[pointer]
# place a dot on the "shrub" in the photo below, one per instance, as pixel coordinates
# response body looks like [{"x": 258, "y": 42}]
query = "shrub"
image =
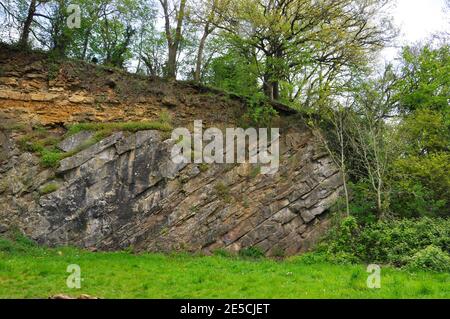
[
  {"x": 251, "y": 252},
  {"x": 430, "y": 258},
  {"x": 388, "y": 241},
  {"x": 259, "y": 113},
  {"x": 421, "y": 186},
  {"x": 15, "y": 241},
  {"x": 223, "y": 191},
  {"x": 50, "y": 159}
]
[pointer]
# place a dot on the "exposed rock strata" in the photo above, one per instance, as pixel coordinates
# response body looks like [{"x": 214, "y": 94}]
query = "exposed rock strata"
[{"x": 125, "y": 191}]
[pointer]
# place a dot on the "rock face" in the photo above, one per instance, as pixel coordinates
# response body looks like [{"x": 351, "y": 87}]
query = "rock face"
[
  {"x": 125, "y": 191},
  {"x": 38, "y": 91}
]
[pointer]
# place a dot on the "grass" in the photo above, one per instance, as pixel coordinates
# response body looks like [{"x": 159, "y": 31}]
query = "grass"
[
  {"x": 28, "y": 271},
  {"x": 125, "y": 126},
  {"x": 49, "y": 188}
]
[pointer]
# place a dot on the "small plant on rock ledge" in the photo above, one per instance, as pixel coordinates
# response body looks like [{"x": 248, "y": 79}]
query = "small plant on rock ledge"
[
  {"x": 223, "y": 191},
  {"x": 49, "y": 188}
]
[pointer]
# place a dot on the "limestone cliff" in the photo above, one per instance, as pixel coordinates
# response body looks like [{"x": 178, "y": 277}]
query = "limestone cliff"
[{"x": 125, "y": 191}]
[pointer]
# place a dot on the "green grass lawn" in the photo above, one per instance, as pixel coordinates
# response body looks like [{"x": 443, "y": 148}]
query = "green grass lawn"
[{"x": 27, "y": 271}]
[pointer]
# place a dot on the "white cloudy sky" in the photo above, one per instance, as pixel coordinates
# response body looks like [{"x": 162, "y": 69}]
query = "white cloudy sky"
[{"x": 418, "y": 20}]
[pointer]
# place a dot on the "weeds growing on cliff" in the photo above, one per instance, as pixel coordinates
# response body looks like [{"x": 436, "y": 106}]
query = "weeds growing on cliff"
[
  {"x": 223, "y": 191},
  {"x": 49, "y": 188},
  {"x": 40, "y": 142},
  {"x": 113, "y": 127}
]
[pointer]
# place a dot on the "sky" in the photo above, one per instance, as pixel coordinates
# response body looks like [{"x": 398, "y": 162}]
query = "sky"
[{"x": 417, "y": 20}]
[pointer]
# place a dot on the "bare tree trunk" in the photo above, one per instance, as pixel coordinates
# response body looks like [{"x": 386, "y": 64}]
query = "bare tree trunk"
[
  {"x": 380, "y": 201},
  {"x": 268, "y": 87},
  {"x": 172, "y": 62},
  {"x": 344, "y": 181},
  {"x": 85, "y": 44},
  {"x": 173, "y": 43},
  {"x": 275, "y": 90},
  {"x": 27, "y": 24},
  {"x": 201, "y": 47}
]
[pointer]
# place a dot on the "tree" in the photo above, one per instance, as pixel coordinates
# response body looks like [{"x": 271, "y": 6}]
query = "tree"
[
  {"x": 371, "y": 136},
  {"x": 23, "y": 14},
  {"x": 205, "y": 16},
  {"x": 307, "y": 43},
  {"x": 425, "y": 79},
  {"x": 232, "y": 71},
  {"x": 420, "y": 173},
  {"x": 335, "y": 132},
  {"x": 27, "y": 24},
  {"x": 173, "y": 37}
]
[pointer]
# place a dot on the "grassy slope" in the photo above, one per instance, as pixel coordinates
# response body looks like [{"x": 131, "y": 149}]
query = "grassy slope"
[{"x": 31, "y": 272}]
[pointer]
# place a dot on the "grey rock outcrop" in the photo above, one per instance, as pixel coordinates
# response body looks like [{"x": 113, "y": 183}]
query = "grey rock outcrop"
[
  {"x": 73, "y": 142},
  {"x": 125, "y": 191}
]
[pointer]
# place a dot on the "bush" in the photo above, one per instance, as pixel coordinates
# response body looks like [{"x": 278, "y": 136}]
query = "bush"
[
  {"x": 251, "y": 252},
  {"x": 421, "y": 186},
  {"x": 16, "y": 242},
  {"x": 51, "y": 158},
  {"x": 259, "y": 113},
  {"x": 430, "y": 258},
  {"x": 385, "y": 242}
]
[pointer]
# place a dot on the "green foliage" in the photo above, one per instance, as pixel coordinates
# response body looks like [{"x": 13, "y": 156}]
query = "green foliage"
[
  {"x": 259, "y": 112},
  {"x": 203, "y": 167},
  {"x": 232, "y": 72},
  {"x": 311, "y": 258},
  {"x": 17, "y": 243},
  {"x": 385, "y": 242},
  {"x": 411, "y": 159},
  {"x": 53, "y": 66},
  {"x": 40, "y": 143},
  {"x": 120, "y": 126},
  {"x": 49, "y": 188},
  {"x": 420, "y": 178},
  {"x": 165, "y": 117},
  {"x": 51, "y": 158},
  {"x": 363, "y": 204},
  {"x": 222, "y": 253},
  {"x": 223, "y": 191},
  {"x": 425, "y": 79},
  {"x": 430, "y": 258},
  {"x": 424, "y": 132},
  {"x": 251, "y": 252},
  {"x": 421, "y": 185},
  {"x": 255, "y": 171}
]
